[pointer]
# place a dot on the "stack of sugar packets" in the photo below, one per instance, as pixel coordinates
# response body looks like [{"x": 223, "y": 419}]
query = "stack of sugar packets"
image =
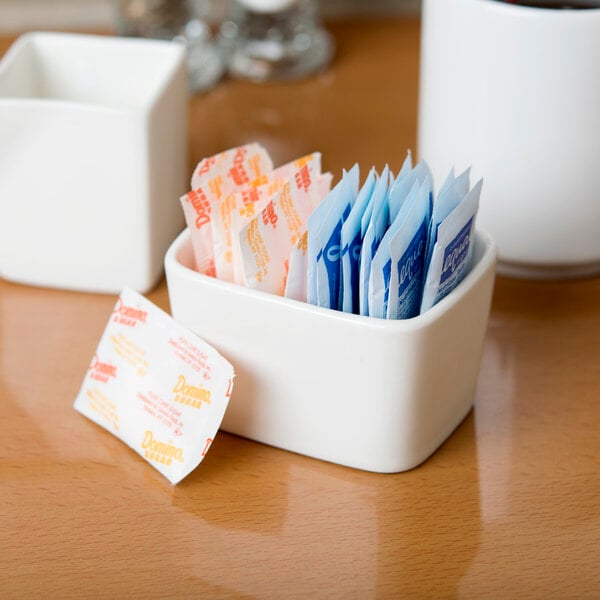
[
  {"x": 385, "y": 249},
  {"x": 245, "y": 217}
]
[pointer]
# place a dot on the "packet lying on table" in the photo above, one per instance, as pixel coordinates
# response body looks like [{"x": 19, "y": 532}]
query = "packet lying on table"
[{"x": 156, "y": 386}]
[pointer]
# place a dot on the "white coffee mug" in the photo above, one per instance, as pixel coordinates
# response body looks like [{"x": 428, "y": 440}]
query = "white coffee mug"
[{"x": 514, "y": 91}]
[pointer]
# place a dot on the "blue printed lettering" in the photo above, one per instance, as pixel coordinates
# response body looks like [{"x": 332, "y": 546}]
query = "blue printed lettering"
[
  {"x": 331, "y": 257},
  {"x": 455, "y": 254},
  {"x": 410, "y": 264}
]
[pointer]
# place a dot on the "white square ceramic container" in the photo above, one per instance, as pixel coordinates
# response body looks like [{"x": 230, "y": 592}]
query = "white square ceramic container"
[
  {"x": 92, "y": 159},
  {"x": 369, "y": 393}
]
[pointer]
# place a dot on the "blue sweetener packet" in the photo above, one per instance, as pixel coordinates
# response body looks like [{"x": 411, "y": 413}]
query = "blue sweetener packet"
[
  {"x": 453, "y": 190},
  {"x": 324, "y": 238},
  {"x": 403, "y": 195},
  {"x": 407, "y": 255},
  {"x": 451, "y": 251},
  {"x": 381, "y": 272},
  {"x": 402, "y": 249},
  {"x": 351, "y": 243},
  {"x": 379, "y": 277},
  {"x": 378, "y": 224}
]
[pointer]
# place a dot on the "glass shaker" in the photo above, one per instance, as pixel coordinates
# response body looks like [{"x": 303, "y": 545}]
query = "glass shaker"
[
  {"x": 266, "y": 40},
  {"x": 185, "y": 21}
]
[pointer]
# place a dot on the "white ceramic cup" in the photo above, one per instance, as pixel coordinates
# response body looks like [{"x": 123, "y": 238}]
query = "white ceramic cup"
[
  {"x": 93, "y": 148},
  {"x": 514, "y": 91}
]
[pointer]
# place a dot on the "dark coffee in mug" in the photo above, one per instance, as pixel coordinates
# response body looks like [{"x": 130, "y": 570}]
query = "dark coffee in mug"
[{"x": 556, "y": 4}]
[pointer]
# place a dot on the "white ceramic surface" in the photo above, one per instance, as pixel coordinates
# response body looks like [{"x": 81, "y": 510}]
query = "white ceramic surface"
[
  {"x": 364, "y": 392},
  {"x": 92, "y": 160},
  {"x": 515, "y": 92}
]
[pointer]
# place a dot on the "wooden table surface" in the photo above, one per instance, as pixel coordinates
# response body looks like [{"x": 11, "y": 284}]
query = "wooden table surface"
[{"x": 509, "y": 506}]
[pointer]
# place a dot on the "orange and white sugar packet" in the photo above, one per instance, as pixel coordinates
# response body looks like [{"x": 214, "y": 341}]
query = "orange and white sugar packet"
[
  {"x": 296, "y": 280},
  {"x": 267, "y": 240},
  {"x": 231, "y": 168},
  {"x": 156, "y": 386},
  {"x": 245, "y": 202},
  {"x": 213, "y": 179},
  {"x": 237, "y": 209}
]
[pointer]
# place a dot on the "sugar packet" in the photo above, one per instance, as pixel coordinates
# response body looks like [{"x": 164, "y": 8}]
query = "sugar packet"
[
  {"x": 376, "y": 229},
  {"x": 407, "y": 255},
  {"x": 272, "y": 184},
  {"x": 240, "y": 216},
  {"x": 324, "y": 241},
  {"x": 405, "y": 192},
  {"x": 228, "y": 218},
  {"x": 451, "y": 249},
  {"x": 156, "y": 386},
  {"x": 231, "y": 168},
  {"x": 267, "y": 240},
  {"x": 351, "y": 243},
  {"x": 297, "y": 277},
  {"x": 397, "y": 269},
  {"x": 213, "y": 179},
  {"x": 453, "y": 190}
]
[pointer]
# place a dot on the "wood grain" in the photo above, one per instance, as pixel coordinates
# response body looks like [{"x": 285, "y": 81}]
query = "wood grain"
[{"x": 508, "y": 507}]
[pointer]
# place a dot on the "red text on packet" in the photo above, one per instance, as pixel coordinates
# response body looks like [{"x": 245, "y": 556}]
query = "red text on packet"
[
  {"x": 237, "y": 171},
  {"x": 239, "y": 175},
  {"x": 102, "y": 371},
  {"x": 268, "y": 215},
  {"x": 201, "y": 205},
  {"x": 250, "y": 195},
  {"x": 205, "y": 166},
  {"x": 128, "y": 315},
  {"x": 302, "y": 178}
]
